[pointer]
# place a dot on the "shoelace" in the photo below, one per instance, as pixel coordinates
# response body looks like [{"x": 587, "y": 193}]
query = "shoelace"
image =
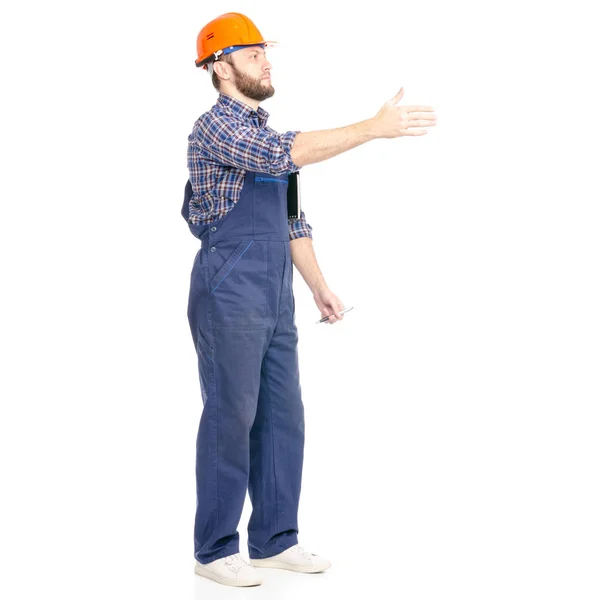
[
  {"x": 236, "y": 562},
  {"x": 302, "y": 551}
]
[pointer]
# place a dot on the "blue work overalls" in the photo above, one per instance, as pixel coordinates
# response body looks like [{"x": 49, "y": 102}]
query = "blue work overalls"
[{"x": 251, "y": 434}]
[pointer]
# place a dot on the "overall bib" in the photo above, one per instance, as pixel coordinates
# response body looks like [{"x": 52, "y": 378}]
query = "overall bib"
[{"x": 251, "y": 433}]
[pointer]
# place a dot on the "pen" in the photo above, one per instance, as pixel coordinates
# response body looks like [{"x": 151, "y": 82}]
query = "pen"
[{"x": 345, "y": 310}]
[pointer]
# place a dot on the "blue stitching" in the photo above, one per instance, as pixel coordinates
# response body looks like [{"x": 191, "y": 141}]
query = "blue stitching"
[
  {"x": 270, "y": 179},
  {"x": 233, "y": 265}
]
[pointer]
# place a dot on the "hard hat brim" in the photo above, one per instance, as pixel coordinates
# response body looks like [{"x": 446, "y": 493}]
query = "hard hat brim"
[{"x": 270, "y": 44}]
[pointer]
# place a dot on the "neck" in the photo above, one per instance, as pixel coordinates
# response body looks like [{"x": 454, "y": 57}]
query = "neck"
[{"x": 238, "y": 96}]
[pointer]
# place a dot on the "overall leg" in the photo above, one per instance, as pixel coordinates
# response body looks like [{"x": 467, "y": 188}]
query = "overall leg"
[
  {"x": 277, "y": 442},
  {"x": 223, "y": 448},
  {"x": 229, "y": 362}
]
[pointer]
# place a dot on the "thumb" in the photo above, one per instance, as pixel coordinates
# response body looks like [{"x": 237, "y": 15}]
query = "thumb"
[
  {"x": 398, "y": 96},
  {"x": 337, "y": 307}
]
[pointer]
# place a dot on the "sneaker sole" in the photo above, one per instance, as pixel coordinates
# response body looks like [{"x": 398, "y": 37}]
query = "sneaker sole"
[
  {"x": 266, "y": 563},
  {"x": 210, "y": 575}
]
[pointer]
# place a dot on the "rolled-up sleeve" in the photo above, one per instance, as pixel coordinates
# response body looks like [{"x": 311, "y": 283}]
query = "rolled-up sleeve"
[
  {"x": 299, "y": 227},
  {"x": 227, "y": 142}
]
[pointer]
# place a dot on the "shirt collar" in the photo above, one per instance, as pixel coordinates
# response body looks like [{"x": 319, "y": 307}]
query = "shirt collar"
[{"x": 242, "y": 110}]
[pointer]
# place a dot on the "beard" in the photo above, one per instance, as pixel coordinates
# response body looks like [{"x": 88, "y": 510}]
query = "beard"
[{"x": 252, "y": 88}]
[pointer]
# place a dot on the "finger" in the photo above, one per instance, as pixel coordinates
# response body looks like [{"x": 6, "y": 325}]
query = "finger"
[
  {"x": 421, "y": 123},
  {"x": 339, "y": 315},
  {"x": 415, "y": 132},
  {"x": 422, "y": 115},
  {"x": 334, "y": 315},
  {"x": 398, "y": 96},
  {"x": 419, "y": 108}
]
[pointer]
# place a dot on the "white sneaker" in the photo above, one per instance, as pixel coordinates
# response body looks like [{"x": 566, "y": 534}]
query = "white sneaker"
[
  {"x": 294, "y": 559},
  {"x": 230, "y": 570}
]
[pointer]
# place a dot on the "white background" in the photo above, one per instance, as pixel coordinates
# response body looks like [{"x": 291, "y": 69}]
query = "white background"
[{"x": 452, "y": 418}]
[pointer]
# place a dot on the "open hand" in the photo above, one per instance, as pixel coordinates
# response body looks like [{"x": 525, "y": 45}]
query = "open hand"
[{"x": 394, "y": 120}]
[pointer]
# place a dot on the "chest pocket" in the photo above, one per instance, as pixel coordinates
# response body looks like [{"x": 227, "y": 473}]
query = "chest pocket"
[{"x": 270, "y": 206}]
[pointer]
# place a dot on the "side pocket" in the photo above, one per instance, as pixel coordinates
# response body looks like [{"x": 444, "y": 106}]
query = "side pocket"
[
  {"x": 228, "y": 265},
  {"x": 206, "y": 367},
  {"x": 203, "y": 347},
  {"x": 198, "y": 257}
]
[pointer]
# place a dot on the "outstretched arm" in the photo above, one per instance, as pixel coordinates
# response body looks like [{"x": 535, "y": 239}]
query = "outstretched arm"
[{"x": 393, "y": 120}]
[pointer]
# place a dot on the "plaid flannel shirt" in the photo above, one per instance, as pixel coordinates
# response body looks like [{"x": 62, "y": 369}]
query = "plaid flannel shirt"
[{"x": 228, "y": 140}]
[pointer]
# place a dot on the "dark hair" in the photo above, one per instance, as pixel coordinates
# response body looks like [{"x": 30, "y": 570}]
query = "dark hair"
[{"x": 215, "y": 78}]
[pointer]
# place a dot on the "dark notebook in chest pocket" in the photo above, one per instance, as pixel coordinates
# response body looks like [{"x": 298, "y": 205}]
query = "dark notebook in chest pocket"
[{"x": 293, "y": 196}]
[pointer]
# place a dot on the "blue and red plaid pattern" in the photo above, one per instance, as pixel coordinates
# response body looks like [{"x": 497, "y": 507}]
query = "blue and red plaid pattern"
[{"x": 228, "y": 140}]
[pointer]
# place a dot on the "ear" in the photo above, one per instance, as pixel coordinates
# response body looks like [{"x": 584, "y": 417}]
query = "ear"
[{"x": 221, "y": 69}]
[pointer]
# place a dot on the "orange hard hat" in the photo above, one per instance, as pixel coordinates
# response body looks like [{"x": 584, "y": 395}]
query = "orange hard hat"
[{"x": 226, "y": 33}]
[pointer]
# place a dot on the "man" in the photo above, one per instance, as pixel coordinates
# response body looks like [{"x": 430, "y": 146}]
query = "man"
[{"x": 241, "y": 304}]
